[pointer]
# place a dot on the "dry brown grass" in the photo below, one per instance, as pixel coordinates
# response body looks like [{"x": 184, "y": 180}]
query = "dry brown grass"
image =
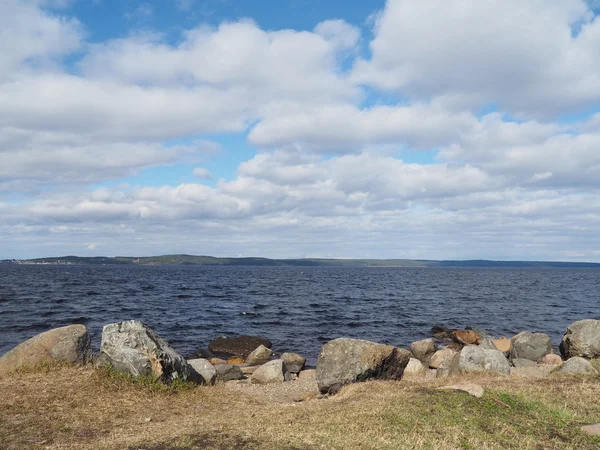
[{"x": 79, "y": 407}]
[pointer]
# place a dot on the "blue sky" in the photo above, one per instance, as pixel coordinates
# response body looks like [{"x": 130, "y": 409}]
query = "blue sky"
[{"x": 389, "y": 129}]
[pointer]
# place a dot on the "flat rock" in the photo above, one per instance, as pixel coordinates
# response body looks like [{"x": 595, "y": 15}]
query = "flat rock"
[
  {"x": 474, "y": 360},
  {"x": 551, "y": 359},
  {"x": 228, "y": 372},
  {"x": 237, "y": 346},
  {"x": 592, "y": 429},
  {"x": 343, "y": 361},
  {"x": 440, "y": 356},
  {"x": 204, "y": 369},
  {"x": 582, "y": 338},
  {"x": 70, "y": 344},
  {"x": 415, "y": 369},
  {"x": 307, "y": 374},
  {"x": 532, "y": 346},
  {"x": 294, "y": 362},
  {"x": 522, "y": 362},
  {"x": 577, "y": 366},
  {"x": 271, "y": 372},
  {"x": 259, "y": 355},
  {"x": 474, "y": 390},
  {"x": 423, "y": 350},
  {"x": 133, "y": 348}
]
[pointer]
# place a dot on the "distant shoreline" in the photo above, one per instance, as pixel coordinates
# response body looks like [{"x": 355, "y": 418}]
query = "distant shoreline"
[{"x": 192, "y": 260}]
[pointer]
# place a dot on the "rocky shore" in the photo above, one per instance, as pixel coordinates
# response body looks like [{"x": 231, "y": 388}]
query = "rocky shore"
[{"x": 133, "y": 348}]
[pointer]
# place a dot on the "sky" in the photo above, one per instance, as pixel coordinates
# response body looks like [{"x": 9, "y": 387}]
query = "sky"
[{"x": 466, "y": 129}]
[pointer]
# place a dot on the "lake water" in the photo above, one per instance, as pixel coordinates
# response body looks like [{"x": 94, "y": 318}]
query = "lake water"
[{"x": 298, "y": 308}]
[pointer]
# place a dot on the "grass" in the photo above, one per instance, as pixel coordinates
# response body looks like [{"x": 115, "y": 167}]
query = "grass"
[{"x": 61, "y": 407}]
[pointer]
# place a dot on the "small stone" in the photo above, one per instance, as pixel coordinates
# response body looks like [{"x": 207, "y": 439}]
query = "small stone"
[
  {"x": 148, "y": 419},
  {"x": 522, "y": 362},
  {"x": 294, "y": 362},
  {"x": 577, "y": 366},
  {"x": 502, "y": 344},
  {"x": 259, "y": 356},
  {"x": 466, "y": 337},
  {"x": 228, "y": 372},
  {"x": 472, "y": 389},
  {"x": 551, "y": 360},
  {"x": 414, "y": 369},
  {"x": 440, "y": 356},
  {"x": 307, "y": 374},
  {"x": 235, "y": 360},
  {"x": 592, "y": 429}
]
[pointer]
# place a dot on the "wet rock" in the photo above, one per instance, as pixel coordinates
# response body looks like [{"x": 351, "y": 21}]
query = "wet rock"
[
  {"x": 474, "y": 390},
  {"x": 237, "y": 346},
  {"x": 440, "y": 356},
  {"x": 132, "y": 347},
  {"x": 551, "y": 360},
  {"x": 294, "y": 362},
  {"x": 502, "y": 344},
  {"x": 532, "y": 346},
  {"x": 70, "y": 344},
  {"x": 440, "y": 332},
  {"x": 577, "y": 366},
  {"x": 259, "y": 356},
  {"x": 423, "y": 350},
  {"x": 474, "y": 359},
  {"x": 271, "y": 372},
  {"x": 466, "y": 337},
  {"x": 415, "y": 369},
  {"x": 582, "y": 338},
  {"x": 307, "y": 374},
  {"x": 343, "y": 361},
  {"x": 204, "y": 369},
  {"x": 522, "y": 362},
  {"x": 228, "y": 372}
]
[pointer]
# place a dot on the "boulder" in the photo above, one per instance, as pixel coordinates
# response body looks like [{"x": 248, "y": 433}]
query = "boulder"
[
  {"x": 204, "y": 369},
  {"x": 237, "y": 346},
  {"x": 423, "y": 350},
  {"x": 522, "y": 362},
  {"x": 228, "y": 372},
  {"x": 307, "y": 374},
  {"x": 474, "y": 390},
  {"x": 344, "y": 361},
  {"x": 271, "y": 372},
  {"x": 487, "y": 344},
  {"x": 444, "y": 368},
  {"x": 294, "y": 362},
  {"x": 532, "y": 346},
  {"x": 70, "y": 344},
  {"x": 466, "y": 337},
  {"x": 551, "y": 359},
  {"x": 415, "y": 369},
  {"x": 440, "y": 356},
  {"x": 259, "y": 356},
  {"x": 131, "y": 347},
  {"x": 582, "y": 338},
  {"x": 474, "y": 359},
  {"x": 502, "y": 344},
  {"x": 577, "y": 366}
]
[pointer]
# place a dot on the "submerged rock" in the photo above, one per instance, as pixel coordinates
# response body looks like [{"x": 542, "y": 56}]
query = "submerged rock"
[
  {"x": 343, "y": 361},
  {"x": 132, "y": 347},
  {"x": 582, "y": 338},
  {"x": 70, "y": 344},
  {"x": 237, "y": 346}
]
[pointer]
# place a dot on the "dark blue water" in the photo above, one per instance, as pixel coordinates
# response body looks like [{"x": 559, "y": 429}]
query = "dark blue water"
[{"x": 297, "y": 308}]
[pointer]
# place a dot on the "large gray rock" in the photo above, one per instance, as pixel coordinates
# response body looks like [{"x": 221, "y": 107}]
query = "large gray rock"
[
  {"x": 294, "y": 362},
  {"x": 343, "y": 361},
  {"x": 272, "y": 372},
  {"x": 260, "y": 355},
  {"x": 423, "y": 350},
  {"x": 69, "y": 344},
  {"x": 532, "y": 346},
  {"x": 582, "y": 338},
  {"x": 577, "y": 366},
  {"x": 131, "y": 347},
  {"x": 204, "y": 369},
  {"x": 475, "y": 359},
  {"x": 228, "y": 372}
]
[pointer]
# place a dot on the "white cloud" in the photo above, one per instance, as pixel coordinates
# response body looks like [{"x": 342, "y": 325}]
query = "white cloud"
[{"x": 203, "y": 173}]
